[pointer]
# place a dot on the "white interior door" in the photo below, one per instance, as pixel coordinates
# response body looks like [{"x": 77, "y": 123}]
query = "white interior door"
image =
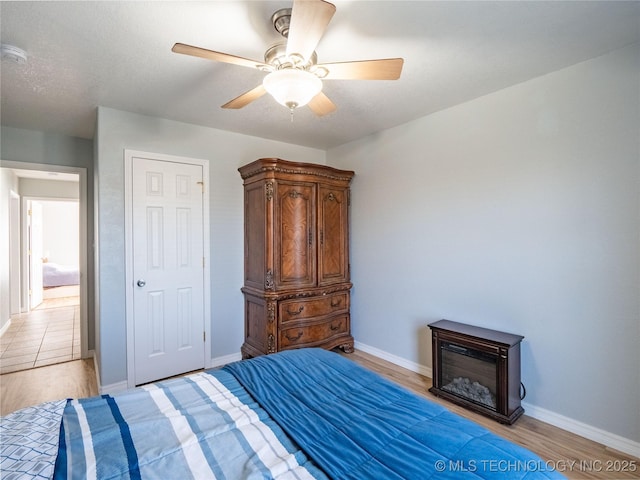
[
  {"x": 168, "y": 268},
  {"x": 14, "y": 253},
  {"x": 35, "y": 254}
]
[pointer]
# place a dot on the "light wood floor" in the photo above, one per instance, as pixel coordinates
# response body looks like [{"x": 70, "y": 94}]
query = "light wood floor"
[
  {"x": 578, "y": 457},
  {"x": 75, "y": 379}
]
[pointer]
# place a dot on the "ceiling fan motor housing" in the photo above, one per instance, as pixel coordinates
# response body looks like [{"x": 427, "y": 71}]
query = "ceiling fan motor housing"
[
  {"x": 278, "y": 58},
  {"x": 281, "y": 21}
]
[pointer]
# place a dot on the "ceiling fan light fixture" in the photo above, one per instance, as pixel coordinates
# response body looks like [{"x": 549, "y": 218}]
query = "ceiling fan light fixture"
[
  {"x": 292, "y": 87},
  {"x": 293, "y": 75}
]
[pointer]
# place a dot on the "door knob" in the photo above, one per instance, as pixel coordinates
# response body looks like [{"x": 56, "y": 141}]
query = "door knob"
[{"x": 141, "y": 283}]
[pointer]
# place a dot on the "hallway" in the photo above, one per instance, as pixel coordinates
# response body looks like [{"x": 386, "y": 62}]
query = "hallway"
[{"x": 41, "y": 337}]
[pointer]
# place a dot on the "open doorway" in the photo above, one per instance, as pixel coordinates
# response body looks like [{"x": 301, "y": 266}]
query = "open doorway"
[
  {"x": 48, "y": 315},
  {"x": 53, "y": 253}
]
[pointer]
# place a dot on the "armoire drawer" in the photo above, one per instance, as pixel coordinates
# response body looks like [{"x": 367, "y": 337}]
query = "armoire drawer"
[
  {"x": 309, "y": 334},
  {"x": 306, "y": 308}
]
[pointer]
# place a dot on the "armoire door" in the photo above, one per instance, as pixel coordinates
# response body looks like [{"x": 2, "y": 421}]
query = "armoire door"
[
  {"x": 333, "y": 242},
  {"x": 168, "y": 269},
  {"x": 256, "y": 226},
  {"x": 295, "y": 234}
]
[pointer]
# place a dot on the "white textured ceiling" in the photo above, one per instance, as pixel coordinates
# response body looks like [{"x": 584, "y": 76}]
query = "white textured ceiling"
[{"x": 118, "y": 55}]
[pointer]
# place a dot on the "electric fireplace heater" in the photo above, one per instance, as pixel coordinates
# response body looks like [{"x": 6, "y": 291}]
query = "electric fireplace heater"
[{"x": 477, "y": 368}]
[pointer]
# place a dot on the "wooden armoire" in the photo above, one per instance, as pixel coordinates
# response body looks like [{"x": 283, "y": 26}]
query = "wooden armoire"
[{"x": 296, "y": 257}]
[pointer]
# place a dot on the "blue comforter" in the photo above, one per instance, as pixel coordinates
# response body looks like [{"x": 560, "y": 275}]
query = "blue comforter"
[
  {"x": 356, "y": 425},
  {"x": 293, "y": 415}
]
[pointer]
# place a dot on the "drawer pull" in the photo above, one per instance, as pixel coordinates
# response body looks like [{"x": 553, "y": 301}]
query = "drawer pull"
[
  {"x": 336, "y": 302},
  {"x": 293, "y": 313},
  {"x": 293, "y": 339},
  {"x": 334, "y": 327}
]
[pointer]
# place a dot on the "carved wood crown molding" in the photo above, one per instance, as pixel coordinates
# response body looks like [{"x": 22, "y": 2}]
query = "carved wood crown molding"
[
  {"x": 323, "y": 292},
  {"x": 297, "y": 171}
]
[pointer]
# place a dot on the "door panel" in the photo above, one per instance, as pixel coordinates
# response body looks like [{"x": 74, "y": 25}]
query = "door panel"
[
  {"x": 183, "y": 317},
  {"x": 333, "y": 263},
  {"x": 168, "y": 252},
  {"x": 295, "y": 231},
  {"x": 155, "y": 315},
  {"x": 255, "y": 233}
]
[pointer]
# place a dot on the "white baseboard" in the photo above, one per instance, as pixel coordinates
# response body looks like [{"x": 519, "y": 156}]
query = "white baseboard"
[
  {"x": 96, "y": 369},
  {"x": 107, "y": 389},
  {"x": 220, "y": 361},
  {"x": 5, "y": 328},
  {"x": 113, "y": 388},
  {"x": 402, "y": 362},
  {"x": 608, "y": 439},
  {"x": 120, "y": 386}
]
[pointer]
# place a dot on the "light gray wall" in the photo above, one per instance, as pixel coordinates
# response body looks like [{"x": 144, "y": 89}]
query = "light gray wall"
[
  {"x": 31, "y": 146},
  {"x": 20, "y": 146},
  {"x": 518, "y": 211},
  {"x": 35, "y": 187},
  {"x": 226, "y": 152},
  {"x": 60, "y": 243},
  {"x": 61, "y": 232}
]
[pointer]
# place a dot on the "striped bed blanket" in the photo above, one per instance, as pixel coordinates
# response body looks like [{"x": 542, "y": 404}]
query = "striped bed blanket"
[
  {"x": 202, "y": 426},
  {"x": 298, "y": 414}
]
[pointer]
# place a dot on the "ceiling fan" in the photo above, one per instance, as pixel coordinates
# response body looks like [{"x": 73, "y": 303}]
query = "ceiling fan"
[{"x": 294, "y": 76}]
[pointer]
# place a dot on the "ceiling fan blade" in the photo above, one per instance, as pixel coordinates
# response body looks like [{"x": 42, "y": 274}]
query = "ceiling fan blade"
[
  {"x": 217, "y": 56},
  {"x": 382, "y": 69},
  {"x": 321, "y": 105},
  {"x": 246, "y": 98},
  {"x": 309, "y": 19}
]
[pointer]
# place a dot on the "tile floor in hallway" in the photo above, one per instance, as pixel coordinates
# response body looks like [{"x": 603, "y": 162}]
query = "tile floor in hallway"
[{"x": 41, "y": 337}]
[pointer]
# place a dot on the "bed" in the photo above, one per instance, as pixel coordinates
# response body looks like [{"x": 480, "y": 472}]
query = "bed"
[
  {"x": 299, "y": 414},
  {"x": 56, "y": 275}
]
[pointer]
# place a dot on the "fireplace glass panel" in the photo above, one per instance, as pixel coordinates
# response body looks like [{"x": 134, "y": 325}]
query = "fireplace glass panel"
[{"x": 469, "y": 373}]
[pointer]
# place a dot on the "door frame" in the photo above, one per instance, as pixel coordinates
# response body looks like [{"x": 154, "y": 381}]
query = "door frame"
[
  {"x": 15, "y": 253},
  {"x": 129, "y": 156},
  {"x": 84, "y": 246}
]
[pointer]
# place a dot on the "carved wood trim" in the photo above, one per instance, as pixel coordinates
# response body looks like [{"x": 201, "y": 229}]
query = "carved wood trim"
[
  {"x": 293, "y": 313},
  {"x": 329, "y": 291},
  {"x": 347, "y": 347},
  {"x": 271, "y": 312},
  {"x": 275, "y": 296},
  {"x": 294, "y": 339},
  {"x": 297, "y": 171},
  {"x": 268, "y": 280}
]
